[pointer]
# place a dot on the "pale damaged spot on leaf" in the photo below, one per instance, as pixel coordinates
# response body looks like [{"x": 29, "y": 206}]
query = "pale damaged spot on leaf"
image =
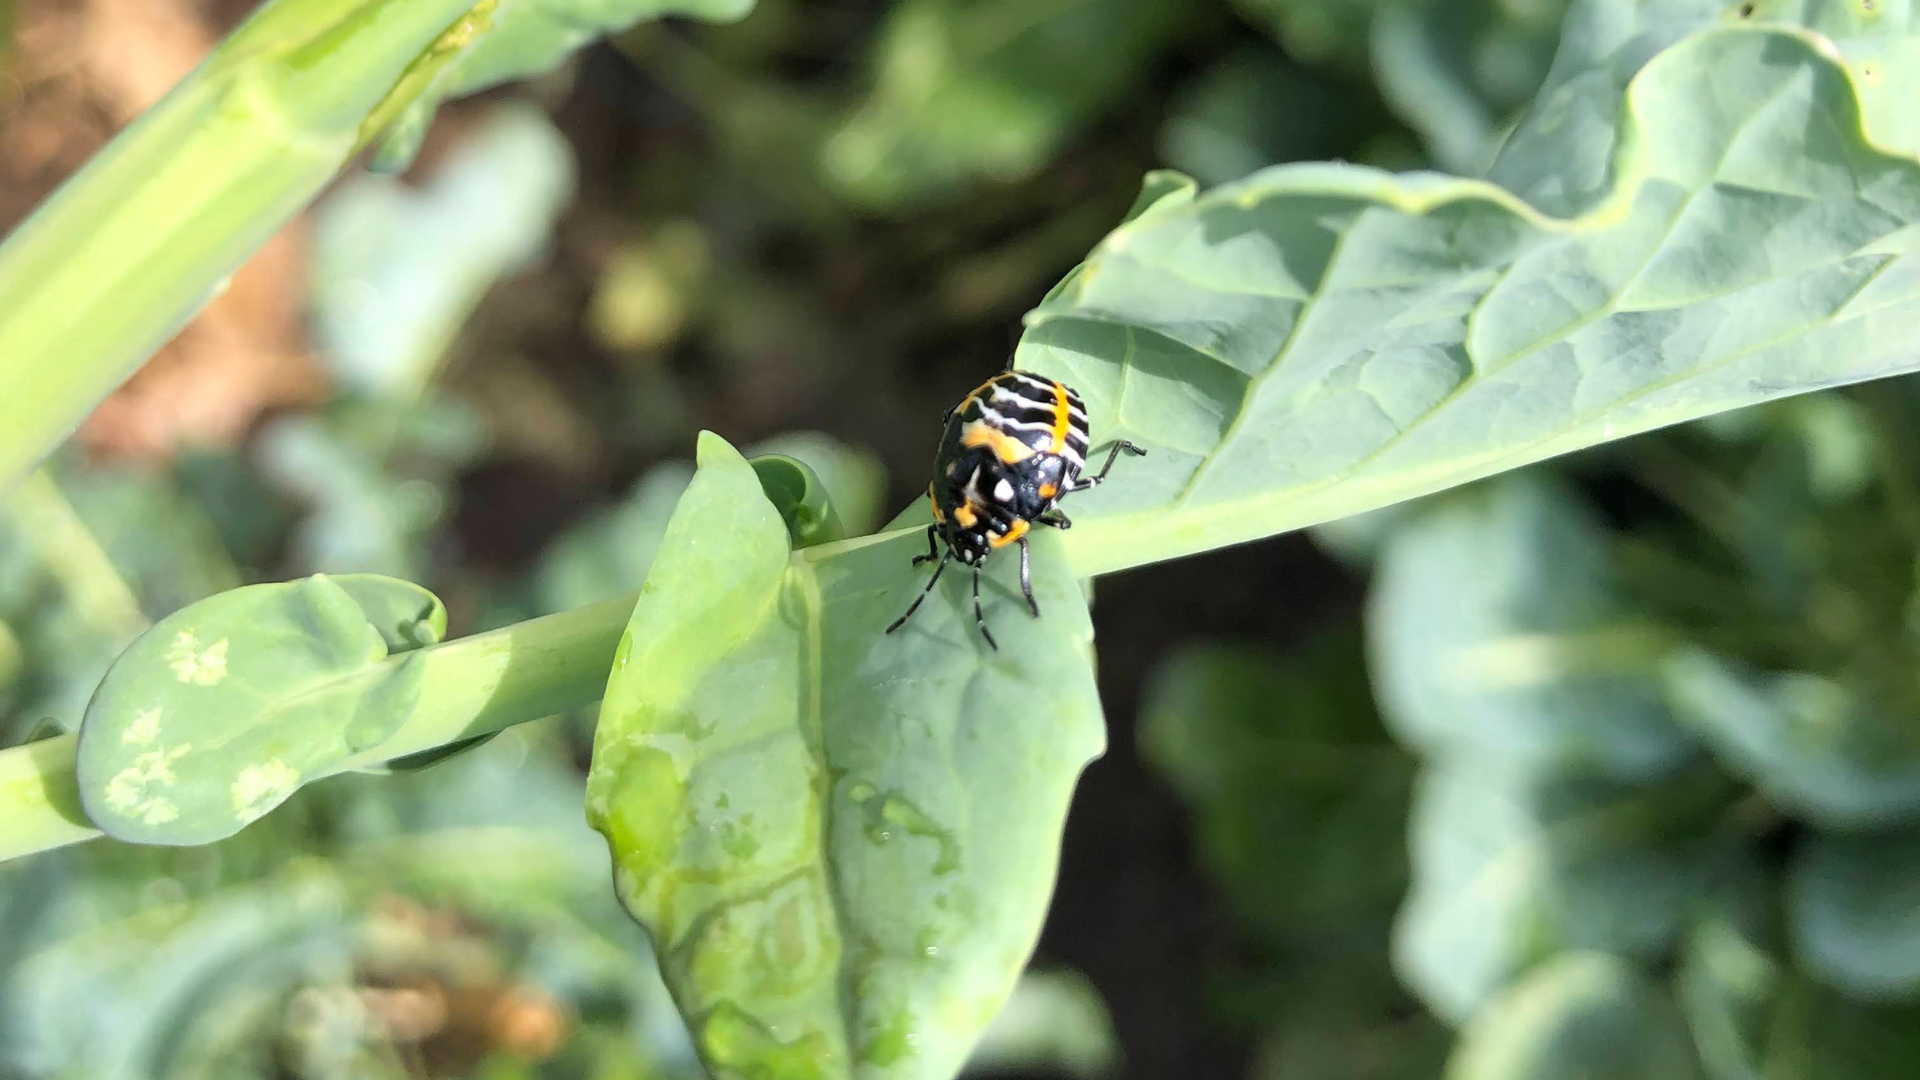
[
  {"x": 318, "y": 685},
  {"x": 144, "y": 729},
  {"x": 131, "y": 789},
  {"x": 193, "y": 664},
  {"x": 260, "y": 788}
]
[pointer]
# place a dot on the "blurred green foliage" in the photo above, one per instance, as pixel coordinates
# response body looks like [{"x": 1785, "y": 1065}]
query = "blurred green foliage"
[{"x": 1661, "y": 825}]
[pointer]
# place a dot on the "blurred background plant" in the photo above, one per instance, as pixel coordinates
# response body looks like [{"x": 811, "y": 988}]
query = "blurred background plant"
[{"x": 1609, "y": 768}]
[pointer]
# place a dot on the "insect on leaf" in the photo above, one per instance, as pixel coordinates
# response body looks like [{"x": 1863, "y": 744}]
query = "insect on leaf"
[{"x": 842, "y": 842}]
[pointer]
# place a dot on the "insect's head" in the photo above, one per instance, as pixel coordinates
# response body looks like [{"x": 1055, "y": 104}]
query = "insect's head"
[{"x": 970, "y": 546}]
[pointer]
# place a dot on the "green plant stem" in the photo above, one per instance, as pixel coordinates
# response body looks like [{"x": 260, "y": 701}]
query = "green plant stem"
[
  {"x": 140, "y": 239},
  {"x": 73, "y": 555},
  {"x": 474, "y": 685}
]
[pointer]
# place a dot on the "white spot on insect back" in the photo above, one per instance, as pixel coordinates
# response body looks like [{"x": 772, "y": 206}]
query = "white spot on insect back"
[
  {"x": 193, "y": 664},
  {"x": 1003, "y": 491},
  {"x": 131, "y": 791},
  {"x": 144, "y": 729},
  {"x": 260, "y": 788}
]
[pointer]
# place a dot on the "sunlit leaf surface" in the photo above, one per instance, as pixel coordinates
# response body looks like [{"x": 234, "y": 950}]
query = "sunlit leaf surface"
[
  {"x": 224, "y": 708},
  {"x": 842, "y": 842},
  {"x": 1319, "y": 340}
]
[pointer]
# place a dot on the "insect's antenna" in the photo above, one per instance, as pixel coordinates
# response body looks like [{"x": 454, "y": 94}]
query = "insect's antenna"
[
  {"x": 1013, "y": 345},
  {"x": 915, "y": 606}
]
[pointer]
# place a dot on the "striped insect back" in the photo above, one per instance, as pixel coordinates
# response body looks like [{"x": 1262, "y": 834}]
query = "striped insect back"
[
  {"x": 1020, "y": 415},
  {"x": 1012, "y": 449}
]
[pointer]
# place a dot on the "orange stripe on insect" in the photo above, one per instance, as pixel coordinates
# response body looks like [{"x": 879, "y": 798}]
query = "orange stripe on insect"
[
  {"x": 1014, "y": 532},
  {"x": 965, "y": 516},
  {"x": 1060, "y": 417},
  {"x": 1004, "y": 446}
]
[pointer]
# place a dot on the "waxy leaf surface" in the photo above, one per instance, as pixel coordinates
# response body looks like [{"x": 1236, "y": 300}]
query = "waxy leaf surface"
[{"x": 842, "y": 841}]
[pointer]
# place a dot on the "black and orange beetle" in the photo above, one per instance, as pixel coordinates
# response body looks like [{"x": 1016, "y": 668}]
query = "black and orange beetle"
[{"x": 1013, "y": 448}]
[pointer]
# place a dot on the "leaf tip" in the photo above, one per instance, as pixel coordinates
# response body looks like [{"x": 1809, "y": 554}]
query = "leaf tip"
[{"x": 712, "y": 450}]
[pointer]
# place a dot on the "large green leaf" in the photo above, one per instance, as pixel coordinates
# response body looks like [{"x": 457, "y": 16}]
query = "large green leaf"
[
  {"x": 1584, "y": 1016},
  {"x": 1854, "y": 909},
  {"x": 1508, "y": 870},
  {"x": 841, "y": 841},
  {"x": 1497, "y": 631},
  {"x": 1319, "y": 340}
]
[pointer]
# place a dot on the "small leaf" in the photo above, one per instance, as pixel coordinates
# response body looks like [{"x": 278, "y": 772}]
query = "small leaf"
[
  {"x": 1510, "y": 869},
  {"x": 1497, "y": 631},
  {"x": 1583, "y": 1016},
  {"x": 224, "y": 708},
  {"x": 842, "y": 841},
  {"x": 802, "y": 500},
  {"x": 1813, "y": 745},
  {"x": 1854, "y": 907},
  {"x": 853, "y": 478},
  {"x": 405, "y": 615}
]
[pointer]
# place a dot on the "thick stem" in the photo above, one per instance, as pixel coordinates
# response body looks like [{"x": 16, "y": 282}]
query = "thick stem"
[
  {"x": 137, "y": 242},
  {"x": 474, "y": 685}
]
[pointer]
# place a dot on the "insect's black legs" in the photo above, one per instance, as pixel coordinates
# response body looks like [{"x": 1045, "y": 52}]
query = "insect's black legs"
[
  {"x": 915, "y": 606},
  {"x": 933, "y": 552},
  {"x": 1095, "y": 481},
  {"x": 1054, "y": 518},
  {"x": 1026, "y": 580},
  {"x": 979, "y": 618}
]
